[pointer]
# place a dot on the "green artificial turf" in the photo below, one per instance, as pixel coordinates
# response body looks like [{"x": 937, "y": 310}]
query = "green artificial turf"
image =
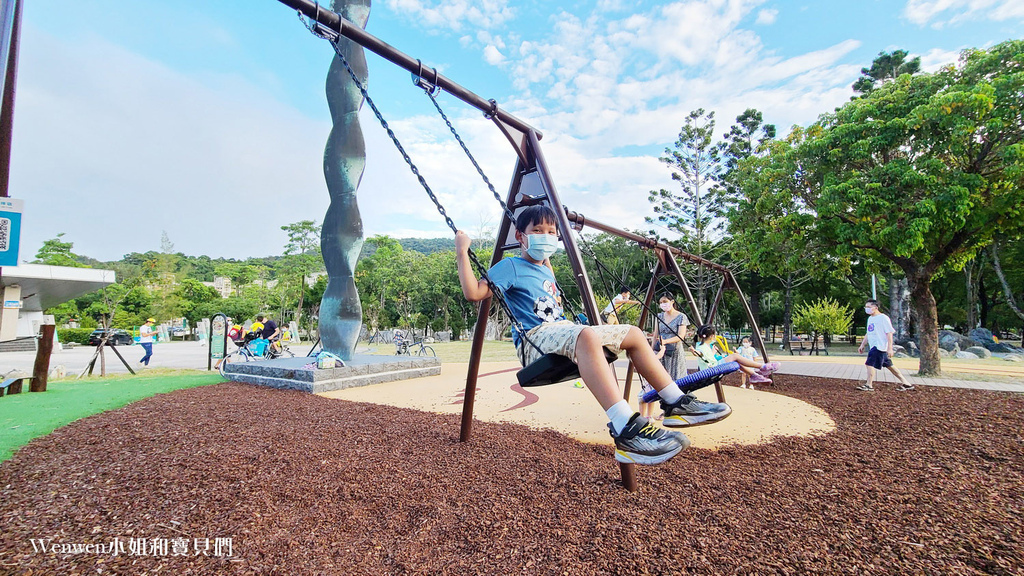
[{"x": 33, "y": 414}]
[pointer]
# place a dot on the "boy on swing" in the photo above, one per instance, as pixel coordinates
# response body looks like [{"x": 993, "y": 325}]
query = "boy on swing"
[{"x": 528, "y": 284}]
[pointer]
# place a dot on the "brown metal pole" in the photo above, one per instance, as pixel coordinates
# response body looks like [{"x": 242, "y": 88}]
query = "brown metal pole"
[
  {"x": 628, "y": 472},
  {"x": 41, "y": 369},
  {"x": 718, "y": 300},
  {"x": 474, "y": 369},
  {"x": 750, "y": 318},
  {"x": 571, "y": 250},
  {"x": 12, "y": 40},
  {"x": 644, "y": 312},
  {"x": 698, "y": 319}
]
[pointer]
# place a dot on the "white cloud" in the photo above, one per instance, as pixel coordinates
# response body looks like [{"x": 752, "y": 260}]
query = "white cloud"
[
  {"x": 453, "y": 14},
  {"x": 767, "y": 16},
  {"x": 942, "y": 13},
  {"x": 936, "y": 58},
  {"x": 113, "y": 148},
  {"x": 492, "y": 55}
]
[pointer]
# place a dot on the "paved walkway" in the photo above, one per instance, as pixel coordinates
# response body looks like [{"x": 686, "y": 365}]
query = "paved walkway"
[
  {"x": 193, "y": 355},
  {"x": 852, "y": 368}
]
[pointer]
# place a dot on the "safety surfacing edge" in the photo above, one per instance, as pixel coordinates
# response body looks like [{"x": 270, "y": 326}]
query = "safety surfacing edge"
[{"x": 758, "y": 416}]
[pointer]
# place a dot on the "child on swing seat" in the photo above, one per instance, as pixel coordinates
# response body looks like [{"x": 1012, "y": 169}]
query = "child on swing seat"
[
  {"x": 529, "y": 288},
  {"x": 707, "y": 357},
  {"x": 747, "y": 351}
]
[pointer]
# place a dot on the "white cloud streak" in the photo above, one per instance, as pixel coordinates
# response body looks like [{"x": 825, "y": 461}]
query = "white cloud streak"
[{"x": 942, "y": 13}]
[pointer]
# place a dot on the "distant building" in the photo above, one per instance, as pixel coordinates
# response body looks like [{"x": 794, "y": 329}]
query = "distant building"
[{"x": 221, "y": 284}]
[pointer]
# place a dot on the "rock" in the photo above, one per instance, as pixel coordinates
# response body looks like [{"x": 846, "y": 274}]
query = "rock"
[
  {"x": 981, "y": 335},
  {"x": 948, "y": 338},
  {"x": 943, "y": 353},
  {"x": 900, "y": 355},
  {"x": 1000, "y": 347},
  {"x": 979, "y": 351},
  {"x": 897, "y": 349},
  {"x": 965, "y": 356},
  {"x": 1014, "y": 357}
]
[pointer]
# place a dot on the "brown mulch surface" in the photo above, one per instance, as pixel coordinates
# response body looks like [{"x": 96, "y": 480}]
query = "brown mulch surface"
[{"x": 929, "y": 482}]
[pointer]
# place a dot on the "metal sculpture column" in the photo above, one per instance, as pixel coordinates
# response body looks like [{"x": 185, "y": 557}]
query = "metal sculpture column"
[{"x": 344, "y": 160}]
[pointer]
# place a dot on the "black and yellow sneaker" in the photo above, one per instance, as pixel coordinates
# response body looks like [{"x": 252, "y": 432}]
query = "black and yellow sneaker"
[{"x": 641, "y": 442}]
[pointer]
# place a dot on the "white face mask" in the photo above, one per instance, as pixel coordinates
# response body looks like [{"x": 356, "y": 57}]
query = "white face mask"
[
  {"x": 868, "y": 311},
  {"x": 666, "y": 306},
  {"x": 541, "y": 246}
]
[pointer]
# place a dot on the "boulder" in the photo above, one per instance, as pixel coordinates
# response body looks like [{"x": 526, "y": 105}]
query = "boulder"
[
  {"x": 979, "y": 351},
  {"x": 981, "y": 335},
  {"x": 965, "y": 356},
  {"x": 897, "y": 349},
  {"x": 1001, "y": 347},
  {"x": 943, "y": 353},
  {"x": 1014, "y": 357},
  {"x": 948, "y": 339}
]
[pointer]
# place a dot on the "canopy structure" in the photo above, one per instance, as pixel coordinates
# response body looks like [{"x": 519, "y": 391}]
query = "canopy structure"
[{"x": 29, "y": 289}]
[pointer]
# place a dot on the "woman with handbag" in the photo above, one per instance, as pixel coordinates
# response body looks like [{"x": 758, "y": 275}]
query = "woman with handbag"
[{"x": 672, "y": 325}]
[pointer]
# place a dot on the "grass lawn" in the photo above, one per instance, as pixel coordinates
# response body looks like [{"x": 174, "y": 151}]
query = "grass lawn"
[{"x": 29, "y": 415}]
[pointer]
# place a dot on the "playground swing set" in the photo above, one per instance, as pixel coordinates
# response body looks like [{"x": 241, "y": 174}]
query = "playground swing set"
[{"x": 531, "y": 185}]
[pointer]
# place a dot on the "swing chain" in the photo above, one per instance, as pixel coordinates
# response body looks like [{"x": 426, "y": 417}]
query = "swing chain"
[
  {"x": 316, "y": 28},
  {"x": 458, "y": 138},
  {"x": 335, "y": 42}
]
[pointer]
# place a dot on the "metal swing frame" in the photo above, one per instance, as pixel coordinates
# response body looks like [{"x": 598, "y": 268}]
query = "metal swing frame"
[{"x": 531, "y": 184}]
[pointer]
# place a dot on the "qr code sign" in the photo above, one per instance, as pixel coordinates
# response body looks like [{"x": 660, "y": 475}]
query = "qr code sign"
[{"x": 5, "y": 234}]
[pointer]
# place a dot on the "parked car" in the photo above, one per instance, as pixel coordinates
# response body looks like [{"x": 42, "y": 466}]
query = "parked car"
[{"x": 117, "y": 337}]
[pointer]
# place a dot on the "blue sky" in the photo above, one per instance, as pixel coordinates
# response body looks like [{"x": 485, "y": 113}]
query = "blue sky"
[{"x": 208, "y": 119}]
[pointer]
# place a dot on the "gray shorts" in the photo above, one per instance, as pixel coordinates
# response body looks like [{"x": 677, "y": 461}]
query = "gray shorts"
[{"x": 560, "y": 338}]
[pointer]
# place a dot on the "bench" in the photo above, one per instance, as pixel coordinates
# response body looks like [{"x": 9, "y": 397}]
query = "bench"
[
  {"x": 805, "y": 345},
  {"x": 13, "y": 385}
]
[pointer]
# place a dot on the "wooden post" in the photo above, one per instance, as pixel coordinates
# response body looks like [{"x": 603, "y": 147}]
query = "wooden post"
[{"x": 41, "y": 369}]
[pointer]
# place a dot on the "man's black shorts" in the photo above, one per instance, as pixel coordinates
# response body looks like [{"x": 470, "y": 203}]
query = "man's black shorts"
[{"x": 878, "y": 359}]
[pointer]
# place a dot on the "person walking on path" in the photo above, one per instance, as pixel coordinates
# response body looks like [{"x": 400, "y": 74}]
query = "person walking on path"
[
  {"x": 146, "y": 333},
  {"x": 878, "y": 339}
]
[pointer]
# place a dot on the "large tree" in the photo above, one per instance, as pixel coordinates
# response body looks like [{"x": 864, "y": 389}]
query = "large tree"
[
  {"x": 301, "y": 255},
  {"x": 745, "y": 138},
  {"x": 695, "y": 211},
  {"x": 924, "y": 171},
  {"x": 886, "y": 67}
]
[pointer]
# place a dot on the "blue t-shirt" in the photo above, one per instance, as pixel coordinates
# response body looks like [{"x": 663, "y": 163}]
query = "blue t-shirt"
[{"x": 530, "y": 290}]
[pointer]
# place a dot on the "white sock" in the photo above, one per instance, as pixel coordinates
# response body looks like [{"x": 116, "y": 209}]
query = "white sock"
[
  {"x": 671, "y": 393},
  {"x": 619, "y": 415}
]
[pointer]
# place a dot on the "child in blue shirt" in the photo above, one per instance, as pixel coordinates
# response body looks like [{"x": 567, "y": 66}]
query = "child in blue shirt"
[{"x": 528, "y": 285}]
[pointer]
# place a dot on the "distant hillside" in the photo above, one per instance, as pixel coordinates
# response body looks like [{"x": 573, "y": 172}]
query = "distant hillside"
[{"x": 427, "y": 245}]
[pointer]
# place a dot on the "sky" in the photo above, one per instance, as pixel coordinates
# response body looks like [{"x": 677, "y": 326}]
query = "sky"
[{"x": 206, "y": 120}]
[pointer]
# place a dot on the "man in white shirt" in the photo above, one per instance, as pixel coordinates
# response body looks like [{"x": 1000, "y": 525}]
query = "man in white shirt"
[
  {"x": 146, "y": 333},
  {"x": 879, "y": 341}
]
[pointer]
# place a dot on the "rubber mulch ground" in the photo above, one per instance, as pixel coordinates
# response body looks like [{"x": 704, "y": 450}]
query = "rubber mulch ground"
[{"x": 929, "y": 482}]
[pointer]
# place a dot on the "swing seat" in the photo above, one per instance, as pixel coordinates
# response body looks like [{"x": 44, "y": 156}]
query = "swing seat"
[
  {"x": 553, "y": 368},
  {"x": 698, "y": 380}
]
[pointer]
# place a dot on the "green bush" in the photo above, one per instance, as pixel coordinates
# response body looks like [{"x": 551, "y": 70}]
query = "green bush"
[{"x": 78, "y": 335}]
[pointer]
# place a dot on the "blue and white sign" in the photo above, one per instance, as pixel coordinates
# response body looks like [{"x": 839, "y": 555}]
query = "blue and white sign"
[{"x": 10, "y": 230}]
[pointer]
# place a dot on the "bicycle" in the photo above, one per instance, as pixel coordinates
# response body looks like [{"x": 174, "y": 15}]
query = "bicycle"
[
  {"x": 404, "y": 346},
  {"x": 252, "y": 349}
]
